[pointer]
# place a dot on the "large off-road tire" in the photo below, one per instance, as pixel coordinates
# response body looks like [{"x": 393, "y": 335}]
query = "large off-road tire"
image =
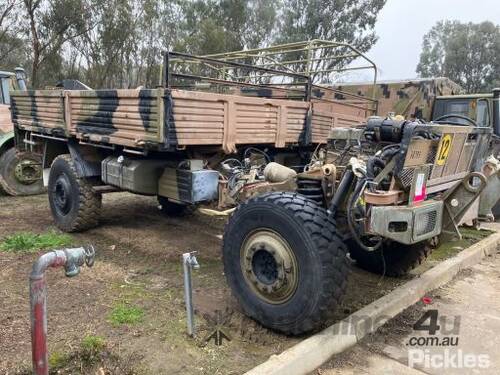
[
  {"x": 20, "y": 173},
  {"x": 74, "y": 205},
  {"x": 170, "y": 208},
  {"x": 392, "y": 258},
  {"x": 284, "y": 262}
]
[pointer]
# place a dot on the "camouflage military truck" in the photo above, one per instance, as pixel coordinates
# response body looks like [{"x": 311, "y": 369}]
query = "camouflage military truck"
[
  {"x": 168, "y": 141},
  {"x": 306, "y": 190},
  {"x": 477, "y": 110},
  {"x": 412, "y": 99},
  {"x": 20, "y": 172}
]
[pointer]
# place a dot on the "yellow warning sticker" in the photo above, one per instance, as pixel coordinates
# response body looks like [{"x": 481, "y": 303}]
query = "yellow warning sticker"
[{"x": 444, "y": 149}]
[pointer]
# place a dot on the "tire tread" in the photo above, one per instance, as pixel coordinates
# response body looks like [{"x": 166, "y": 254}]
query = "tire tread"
[
  {"x": 330, "y": 248},
  {"x": 89, "y": 210}
]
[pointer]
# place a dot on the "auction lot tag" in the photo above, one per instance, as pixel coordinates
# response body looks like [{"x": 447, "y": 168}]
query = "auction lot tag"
[{"x": 444, "y": 149}]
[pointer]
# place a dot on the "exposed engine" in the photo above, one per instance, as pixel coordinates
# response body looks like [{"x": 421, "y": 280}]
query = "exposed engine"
[{"x": 384, "y": 180}]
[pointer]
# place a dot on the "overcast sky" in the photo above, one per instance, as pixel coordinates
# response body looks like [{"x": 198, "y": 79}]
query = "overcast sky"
[{"x": 402, "y": 24}]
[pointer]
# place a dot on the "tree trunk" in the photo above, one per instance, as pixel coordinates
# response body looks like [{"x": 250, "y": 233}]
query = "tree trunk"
[{"x": 35, "y": 42}]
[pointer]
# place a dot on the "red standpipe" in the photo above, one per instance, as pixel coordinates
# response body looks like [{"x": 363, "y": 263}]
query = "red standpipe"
[{"x": 71, "y": 260}]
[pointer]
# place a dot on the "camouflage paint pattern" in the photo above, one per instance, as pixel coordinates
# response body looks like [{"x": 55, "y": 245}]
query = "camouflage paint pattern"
[
  {"x": 40, "y": 111},
  {"x": 162, "y": 119},
  {"x": 411, "y": 98}
]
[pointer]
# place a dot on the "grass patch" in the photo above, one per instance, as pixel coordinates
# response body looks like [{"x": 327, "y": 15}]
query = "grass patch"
[
  {"x": 58, "y": 360},
  {"x": 124, "y": 314},
  {"x": 449, "y": 249},
  {"x": 26, "y": 242},
  {"x": 91, "y": 346}
]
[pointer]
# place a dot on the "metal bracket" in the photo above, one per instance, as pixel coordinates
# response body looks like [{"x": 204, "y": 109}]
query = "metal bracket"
[{"x": 458, "y": 199}]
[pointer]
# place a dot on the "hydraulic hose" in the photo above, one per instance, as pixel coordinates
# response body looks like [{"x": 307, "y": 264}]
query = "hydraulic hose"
[
  {"x": 350, "y": 203},
  {"x": 371, "y": 164},
  {"x": 342, "y": 190}
]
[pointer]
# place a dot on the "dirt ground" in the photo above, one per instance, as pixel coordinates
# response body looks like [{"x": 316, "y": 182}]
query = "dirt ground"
[{"x": 138, "y": 264}]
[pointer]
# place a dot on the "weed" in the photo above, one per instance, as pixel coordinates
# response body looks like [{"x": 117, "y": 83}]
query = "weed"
[
  {"x": 58, "y": 360},
  {"x": 25, "y": 242},
  {"x": 123, "y": 314},
  {"x": 449, "y": 249},
  {"x": 91, "y": 346}
]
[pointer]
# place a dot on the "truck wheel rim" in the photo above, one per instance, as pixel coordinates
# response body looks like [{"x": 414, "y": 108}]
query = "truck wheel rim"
[
  {"x": 27, "y": 171},
  {"x": 269, "y": 266},
  {"x": 61, "y": 193}
]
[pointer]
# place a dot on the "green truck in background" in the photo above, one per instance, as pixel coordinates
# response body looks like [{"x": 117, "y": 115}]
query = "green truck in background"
[{"x": 20, "y": 172}]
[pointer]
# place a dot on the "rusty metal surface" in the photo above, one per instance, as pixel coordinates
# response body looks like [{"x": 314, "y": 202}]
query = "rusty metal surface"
[
  {"x": 5, "y": 121},
  {"x": 71, "y": 260}
]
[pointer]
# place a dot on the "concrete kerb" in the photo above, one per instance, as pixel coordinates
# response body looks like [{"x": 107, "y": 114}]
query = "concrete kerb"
[{"x": 317, "y": 349}]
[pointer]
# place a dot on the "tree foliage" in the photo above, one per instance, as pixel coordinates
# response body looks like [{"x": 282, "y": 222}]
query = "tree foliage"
[
  {"x": 118, "y": 43},
  {"x": 467, "y": 53}
]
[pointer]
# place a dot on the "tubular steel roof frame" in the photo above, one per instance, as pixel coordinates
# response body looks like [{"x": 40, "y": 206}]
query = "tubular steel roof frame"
[
  {"x": 292, "y": 70},
  {"x": 224, "y": 77},
  {"x": 270, "y": 53}
]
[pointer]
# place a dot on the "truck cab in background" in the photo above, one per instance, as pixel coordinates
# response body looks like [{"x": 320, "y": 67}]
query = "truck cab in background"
[
  {"x": 6, "y": 84},
  {"x": 20, "y": 173},
  {"x": 482, "y": 110}
]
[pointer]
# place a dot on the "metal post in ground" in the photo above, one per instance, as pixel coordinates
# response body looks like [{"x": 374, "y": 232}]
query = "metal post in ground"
[
  {"x": 71, "y": 260},
  {"x": 189, "y": 262}
]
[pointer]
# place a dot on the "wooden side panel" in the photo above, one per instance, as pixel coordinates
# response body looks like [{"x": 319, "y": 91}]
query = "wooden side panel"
[
  {"x": 5, "y": 122},
  {"x": 140, "y": 118},
  {"x": 40, "y": 109},
  {"x": 256, "y": 123},
  {"x": 345, "y": 107},
  {"x": 321, "y": 124},
  {"x": 342, "y": 120},
  {"x": 124, "y": 117},
  {"x": 198, "y": 119},
  {"x": 325, "y": 116},
  {"x": 201, "y": 118},
  {"x": 296, "y": 121}
]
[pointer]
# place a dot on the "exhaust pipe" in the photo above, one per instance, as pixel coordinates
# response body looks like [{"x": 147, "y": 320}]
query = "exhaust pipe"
[
  {"x": 496, "y": 111},
  {"x": 21, "y": 78},
  {"x": 71, "y": 260}
]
